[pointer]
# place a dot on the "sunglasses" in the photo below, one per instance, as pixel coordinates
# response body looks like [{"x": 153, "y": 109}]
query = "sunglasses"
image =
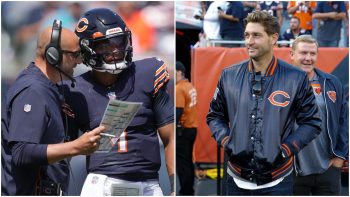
[
  {"x": 257, "y": 83},
  {"x": 74, "y": 54}
]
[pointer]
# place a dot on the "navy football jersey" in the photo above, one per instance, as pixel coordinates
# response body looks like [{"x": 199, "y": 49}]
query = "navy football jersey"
[{"x": 136, "y": 154}]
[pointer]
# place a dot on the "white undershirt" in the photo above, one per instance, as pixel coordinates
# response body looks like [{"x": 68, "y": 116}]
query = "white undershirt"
[{"x": 244, "y": 184}]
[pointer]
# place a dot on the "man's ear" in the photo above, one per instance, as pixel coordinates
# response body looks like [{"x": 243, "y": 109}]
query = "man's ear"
[
  {"x": 291, "y": 54},
  {"x": 274, "y": 38}
]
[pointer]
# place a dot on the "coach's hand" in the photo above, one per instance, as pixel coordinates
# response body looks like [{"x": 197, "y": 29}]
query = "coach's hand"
[
  {"x": 84, "y": 145},
  {"x": 89, "y": 141}
]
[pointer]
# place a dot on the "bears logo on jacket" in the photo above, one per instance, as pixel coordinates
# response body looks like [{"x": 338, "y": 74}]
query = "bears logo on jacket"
[
  {"x": 273, "y": 101},
  {"x": 332, "y": 95},
  {"x": 317, "y": 88}
]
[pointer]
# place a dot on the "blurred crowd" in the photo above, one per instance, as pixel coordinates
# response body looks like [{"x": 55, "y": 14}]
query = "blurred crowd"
[
  {"x": 151, "y": 23},
  {"x": 326, "y": 21}
]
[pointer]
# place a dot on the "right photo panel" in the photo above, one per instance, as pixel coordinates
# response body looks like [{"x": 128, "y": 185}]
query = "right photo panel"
[{"x": 261, "y": 98}]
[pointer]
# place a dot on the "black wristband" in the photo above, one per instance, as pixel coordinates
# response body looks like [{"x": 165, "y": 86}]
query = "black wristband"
[{"x": 171, "y": 179}]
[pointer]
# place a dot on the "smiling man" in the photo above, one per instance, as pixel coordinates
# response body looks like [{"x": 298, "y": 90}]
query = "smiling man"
[
  {"x": 318, "y": 164},
  {"x": 253, "y": 111}
]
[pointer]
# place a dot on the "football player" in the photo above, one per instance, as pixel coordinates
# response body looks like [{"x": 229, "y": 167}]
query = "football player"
[{"x": 131, "y": 167}]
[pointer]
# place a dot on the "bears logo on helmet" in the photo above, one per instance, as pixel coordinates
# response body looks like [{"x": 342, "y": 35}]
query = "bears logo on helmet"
[{"x": 84, "y": 23}]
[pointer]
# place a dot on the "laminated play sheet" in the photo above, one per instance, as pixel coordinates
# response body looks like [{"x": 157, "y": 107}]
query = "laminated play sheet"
[{"x": 116, "y": 119}]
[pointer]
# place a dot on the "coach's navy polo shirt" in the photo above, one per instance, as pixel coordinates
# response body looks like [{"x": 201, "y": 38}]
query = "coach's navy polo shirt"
[{"x": 31, "y": 114}]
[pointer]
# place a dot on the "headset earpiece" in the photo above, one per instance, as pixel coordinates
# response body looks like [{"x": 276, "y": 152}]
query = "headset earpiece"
[{"x": 53, "y": 53}]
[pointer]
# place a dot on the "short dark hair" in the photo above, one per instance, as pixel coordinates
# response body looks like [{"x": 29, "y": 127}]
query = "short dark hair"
[
  {"x": 180, "y": 67},
  {"x": 269, "y": 22}
]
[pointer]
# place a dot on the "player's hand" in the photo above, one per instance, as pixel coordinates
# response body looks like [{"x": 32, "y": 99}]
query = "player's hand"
[
  {"x": 172, "y": 194},
  {"x": 89, "y": 141}
]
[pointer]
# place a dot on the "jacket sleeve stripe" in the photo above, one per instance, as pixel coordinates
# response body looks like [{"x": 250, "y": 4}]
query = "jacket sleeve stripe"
[
  {"x": 283, "y": 169},
  {"x": 224, "y": 141},
  {"x": 237, "y": 170},
  {"x": 296, "y": 146},
  {"x": 286, "y": 149}
]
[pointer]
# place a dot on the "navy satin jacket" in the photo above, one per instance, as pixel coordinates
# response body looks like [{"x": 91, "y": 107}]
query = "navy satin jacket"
[
  {"x": 337, "y": 114},
  {"x": 260, "y": 128}
]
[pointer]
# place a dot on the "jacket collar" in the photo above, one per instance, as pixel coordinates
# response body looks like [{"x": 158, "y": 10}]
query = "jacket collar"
[
  {"x": 270, "y": 69},
  {"x": 322, "y": 74}
]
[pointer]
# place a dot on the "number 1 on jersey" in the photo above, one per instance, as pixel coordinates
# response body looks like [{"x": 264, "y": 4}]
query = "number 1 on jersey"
[{"x": 122, "y": 143}]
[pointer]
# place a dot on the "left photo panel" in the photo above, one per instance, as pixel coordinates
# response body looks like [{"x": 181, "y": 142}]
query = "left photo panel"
[{"x": 87, "y": 98}]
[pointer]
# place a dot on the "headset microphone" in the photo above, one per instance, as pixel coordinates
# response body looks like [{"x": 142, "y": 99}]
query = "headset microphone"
[{"x": 68, "y": 76}]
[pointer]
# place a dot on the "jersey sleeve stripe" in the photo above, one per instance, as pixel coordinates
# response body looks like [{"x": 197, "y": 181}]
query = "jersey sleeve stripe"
[
  {"x": 161, "y": 84},
  {"x": 164, "y": 75},
  {"x": 160, "y": 69}
]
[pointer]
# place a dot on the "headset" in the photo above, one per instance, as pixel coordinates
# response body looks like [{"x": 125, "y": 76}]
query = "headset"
[{"x": 53, "y": 52}]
